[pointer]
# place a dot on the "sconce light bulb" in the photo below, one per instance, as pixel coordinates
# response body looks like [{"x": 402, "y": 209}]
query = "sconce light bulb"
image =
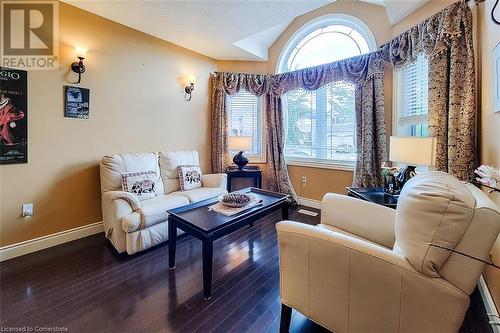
[
  {"x": 192, "y": 80},
  {"x": 81, "y": 51}
]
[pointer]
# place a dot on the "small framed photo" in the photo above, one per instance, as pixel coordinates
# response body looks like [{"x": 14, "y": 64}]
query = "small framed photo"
[
  {"x": 496, "y": 79},
  {"x": 76, "y": 102}
]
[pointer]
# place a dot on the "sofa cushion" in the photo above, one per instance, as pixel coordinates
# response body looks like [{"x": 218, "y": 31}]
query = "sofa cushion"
[
  {"x": 152, "y": 211},
  {"x": 201, "y": 193},
  {"x": 433, "y": 207},
  {"x": 170, "y": 160},
  {"x": 113, "y": 166}
]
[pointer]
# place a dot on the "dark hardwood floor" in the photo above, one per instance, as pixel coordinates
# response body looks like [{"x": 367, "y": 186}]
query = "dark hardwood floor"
[{"x": 85, "y": 286}]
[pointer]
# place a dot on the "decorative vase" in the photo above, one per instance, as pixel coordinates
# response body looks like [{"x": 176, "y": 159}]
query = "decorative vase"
[{"x": 240, "y": 160}]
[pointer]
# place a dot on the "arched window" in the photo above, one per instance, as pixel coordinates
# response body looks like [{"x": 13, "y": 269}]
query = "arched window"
[
  {"x": 326, "y": 39},
  {"x": 320, "y": 125}
]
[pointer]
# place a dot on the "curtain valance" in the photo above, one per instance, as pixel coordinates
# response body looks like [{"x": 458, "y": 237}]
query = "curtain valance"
[
  {"x": 432, "y": 36},
  {"x": 356, "y": 70},
  {"x": 257, "y": 84}
]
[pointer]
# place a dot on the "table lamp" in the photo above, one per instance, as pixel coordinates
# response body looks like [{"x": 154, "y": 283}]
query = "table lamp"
[
  {"x": 241, "y": 144},
  {"x": 412, "y": 151}
]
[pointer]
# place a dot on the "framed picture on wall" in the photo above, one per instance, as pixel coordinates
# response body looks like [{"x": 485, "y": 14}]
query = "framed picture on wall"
[
  {"x": 13, "y": 116},
  {"x": 76, "y": 102},
  {"x": 496, "y": 78}
]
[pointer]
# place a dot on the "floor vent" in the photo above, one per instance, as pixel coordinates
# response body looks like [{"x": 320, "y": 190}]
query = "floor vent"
[{"x": 307, "y": 212}]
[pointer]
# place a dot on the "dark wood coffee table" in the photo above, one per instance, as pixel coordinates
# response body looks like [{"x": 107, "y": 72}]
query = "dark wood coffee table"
[{"x": 206, "y": 225}]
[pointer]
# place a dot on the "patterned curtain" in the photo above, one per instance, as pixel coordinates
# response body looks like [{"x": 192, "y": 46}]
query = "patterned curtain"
[
  {"x": 279, "y": 179},
  {"x": 446, "y": 39},
  {"x": 224, "y": 84},
  {"x": 370, "y": 132},
  {"x": 366, "y": 72}
]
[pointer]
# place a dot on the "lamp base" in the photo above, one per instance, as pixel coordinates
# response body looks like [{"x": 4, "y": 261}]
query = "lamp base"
[{"x": 240, "y": 160}]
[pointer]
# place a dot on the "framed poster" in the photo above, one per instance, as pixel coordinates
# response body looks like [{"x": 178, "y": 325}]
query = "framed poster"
[
  {"x": 496, "y": 78},
  {"x": 13, "y": 116},
  {"x": 76, "y": 102}
]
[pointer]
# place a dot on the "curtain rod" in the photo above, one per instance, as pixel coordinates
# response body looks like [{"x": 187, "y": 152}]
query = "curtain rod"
[{"x": 493, "y": 18}]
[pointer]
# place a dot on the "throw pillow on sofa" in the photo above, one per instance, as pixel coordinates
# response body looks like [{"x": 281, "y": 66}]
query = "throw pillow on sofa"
[
  {"x": 189, "y": 177},
  {"x": 140, "y": 183}
]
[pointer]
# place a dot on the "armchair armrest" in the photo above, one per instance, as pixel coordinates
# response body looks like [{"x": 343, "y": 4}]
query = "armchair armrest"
[
  {"x": 362, "y": 218},
  {"x": 349, "y": 285},
  {"x": 214, "y": 180}
]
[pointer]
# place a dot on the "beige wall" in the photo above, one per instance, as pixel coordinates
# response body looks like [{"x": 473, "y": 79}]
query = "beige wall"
[
  {"x": 490, "y": 124},
  {"x": 136, "y": 104}
]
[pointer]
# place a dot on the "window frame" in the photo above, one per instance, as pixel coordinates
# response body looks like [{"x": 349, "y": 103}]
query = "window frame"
[
  {"x": 396, "y": 94},
  {"x": 347, "y": 165},
  {"x": 254, "y": 158},
  {"x": 317, "y": 23},
  {"x": 281, "y": 65}
]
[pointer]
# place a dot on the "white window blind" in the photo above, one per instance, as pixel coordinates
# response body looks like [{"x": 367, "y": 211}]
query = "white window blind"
[
  {"x": 412, "y": 98},
  {"x": 244, "y": 112},
  {"x": 320, "y": 125}
]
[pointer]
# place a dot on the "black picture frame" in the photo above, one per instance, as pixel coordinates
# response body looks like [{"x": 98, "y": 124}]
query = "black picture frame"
[
  {"x": 76, "y": 102},
  {"x": 14, "y": 116}
]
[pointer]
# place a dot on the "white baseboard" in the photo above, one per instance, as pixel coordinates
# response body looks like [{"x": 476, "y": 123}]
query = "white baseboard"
[
  {"x": 489, "y": 305},
  {"x": 40, "y": 243},
  {"x": 310, "y": 203}
]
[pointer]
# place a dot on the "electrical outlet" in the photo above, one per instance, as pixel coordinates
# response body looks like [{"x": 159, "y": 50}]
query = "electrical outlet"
[
  {"x": 304, "y": 180},
  {"x": 27, "y": 210}
]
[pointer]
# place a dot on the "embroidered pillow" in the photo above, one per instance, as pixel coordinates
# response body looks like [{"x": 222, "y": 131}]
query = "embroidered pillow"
[
  {"x": 140, "y": 183},
  {"x": 189, "y": 177}
]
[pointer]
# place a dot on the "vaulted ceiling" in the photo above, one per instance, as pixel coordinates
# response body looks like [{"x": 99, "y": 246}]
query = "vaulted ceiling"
[{"x": 223, "y": 30}]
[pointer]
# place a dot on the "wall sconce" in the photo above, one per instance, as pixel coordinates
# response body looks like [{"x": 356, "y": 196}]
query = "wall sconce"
[
  {"x": 78, "y": 66},
  {"x": 188, "y": 90}
]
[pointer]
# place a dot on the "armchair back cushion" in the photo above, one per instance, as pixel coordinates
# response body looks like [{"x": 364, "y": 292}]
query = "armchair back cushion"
[
  {"x": 169, "y": 162},
  {"x": 113, "y": 166},
  {"x": 435, "y": 207}
]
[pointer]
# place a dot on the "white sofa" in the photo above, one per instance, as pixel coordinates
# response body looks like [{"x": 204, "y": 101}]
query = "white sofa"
[
  {"x": 368, "y": 268},
  {"x": 132, "y": 225}
]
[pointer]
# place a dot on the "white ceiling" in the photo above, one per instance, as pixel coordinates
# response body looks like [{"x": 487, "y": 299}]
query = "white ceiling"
[
  {"x": 398, "y": 9},
  {"x": 210, "y": 27},
  {"x": 221, "y": 29}
]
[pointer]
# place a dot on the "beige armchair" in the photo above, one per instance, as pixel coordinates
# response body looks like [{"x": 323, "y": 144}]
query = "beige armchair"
[{"x": 367, "y": 268}]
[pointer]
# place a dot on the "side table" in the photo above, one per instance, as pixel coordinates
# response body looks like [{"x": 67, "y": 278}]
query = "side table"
[
  {"x": 247, "y": 172},
  {"x": 373, "y": 194}
]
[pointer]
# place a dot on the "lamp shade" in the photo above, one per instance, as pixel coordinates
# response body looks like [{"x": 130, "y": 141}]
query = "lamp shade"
[
  {"x": 412, "y": 150},
  {"x": 240, "y": 143}
]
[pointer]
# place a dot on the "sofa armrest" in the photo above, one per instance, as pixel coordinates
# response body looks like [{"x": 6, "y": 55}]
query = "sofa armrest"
[
  {"x": 362, "y": 218},
  {"x": 130, "y": 198},
  {"x": 115, "y": 206},
  {"x": 347, "y": 284},
  {"x": 214, "y": 180}
]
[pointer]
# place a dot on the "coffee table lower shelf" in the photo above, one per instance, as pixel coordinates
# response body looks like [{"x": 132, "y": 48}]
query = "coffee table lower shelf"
[{"x": 207, "y": 226}]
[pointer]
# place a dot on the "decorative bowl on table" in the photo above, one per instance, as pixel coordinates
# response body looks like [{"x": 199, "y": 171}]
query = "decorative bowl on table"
[{"x": 236, "y": 200}]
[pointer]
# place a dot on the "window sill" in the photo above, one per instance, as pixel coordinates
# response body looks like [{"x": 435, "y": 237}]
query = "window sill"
[{"x": 311, "y": 163}]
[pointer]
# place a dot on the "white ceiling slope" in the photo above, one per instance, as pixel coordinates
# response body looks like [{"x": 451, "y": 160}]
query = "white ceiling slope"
[
  {"x": 223, "y": 30},
  {"x": 398, "y": 9}
]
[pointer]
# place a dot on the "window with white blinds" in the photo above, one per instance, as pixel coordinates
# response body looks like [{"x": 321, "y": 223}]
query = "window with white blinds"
[
  {"x": 244, "y": 112},
  {"x": 411, "y": 98},
  {"x": 320, "y": 125}
]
